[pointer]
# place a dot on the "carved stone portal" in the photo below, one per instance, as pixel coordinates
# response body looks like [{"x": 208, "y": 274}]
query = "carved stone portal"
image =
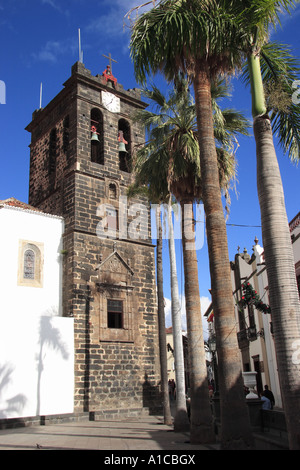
[{"x": 115, "y": 283}]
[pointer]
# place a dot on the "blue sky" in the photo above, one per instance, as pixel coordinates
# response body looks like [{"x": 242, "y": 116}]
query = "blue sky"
[{"x": 39, "y": 44}]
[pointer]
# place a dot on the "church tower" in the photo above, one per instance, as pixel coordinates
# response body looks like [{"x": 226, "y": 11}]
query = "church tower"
[{"x": 81, "y": 151}]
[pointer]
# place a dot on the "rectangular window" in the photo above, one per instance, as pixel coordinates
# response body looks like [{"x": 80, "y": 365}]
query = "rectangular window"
[
  {"x": 112, "y": 220},
  {"x": 114, "y": 313}
]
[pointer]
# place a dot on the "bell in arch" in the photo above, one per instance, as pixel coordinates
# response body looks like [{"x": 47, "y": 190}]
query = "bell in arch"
[
  {"x": 122, "y": 142},
  {"x": 94, "y": 134}
]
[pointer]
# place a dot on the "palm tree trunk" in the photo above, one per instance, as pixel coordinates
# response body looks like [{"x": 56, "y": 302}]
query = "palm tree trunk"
[
  {"x": 280, "y": 264},
  {"x": 162, "y": 325},
  {"x": 235, "y": 423},
  {"x": 201, "y": 428},
  {"x": 181, "y": 421}
]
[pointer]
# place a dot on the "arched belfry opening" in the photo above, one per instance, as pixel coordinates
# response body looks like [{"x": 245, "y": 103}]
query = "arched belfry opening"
[
  {"x": 97, "y": 142},
  {"x": 124, "y": 140},
  {"x": 52, "y": 150}
]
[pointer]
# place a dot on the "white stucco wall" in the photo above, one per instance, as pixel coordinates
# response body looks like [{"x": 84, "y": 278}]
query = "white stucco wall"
[
  {"x": 17, "y": 225},
  {"x": 36, "y": 342},
  {"x": 36, "y": 366}
]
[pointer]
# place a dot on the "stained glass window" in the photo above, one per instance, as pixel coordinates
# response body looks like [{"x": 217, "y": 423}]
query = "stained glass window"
[{"x": 29, "y": 264}]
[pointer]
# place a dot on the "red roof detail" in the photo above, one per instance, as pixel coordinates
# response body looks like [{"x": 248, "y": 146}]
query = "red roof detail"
[{"x": 13, "y": 202}]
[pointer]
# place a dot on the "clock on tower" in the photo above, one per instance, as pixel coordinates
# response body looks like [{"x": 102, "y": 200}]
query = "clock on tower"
[{"x": 111, "y": 101}]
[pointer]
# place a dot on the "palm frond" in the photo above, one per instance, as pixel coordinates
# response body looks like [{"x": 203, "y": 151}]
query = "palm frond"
[
  {"x": 220, "y": 88},
  {"x": 279, "y": 70},
  {"x": 256, "y": 16},
  {"x": 170, "y": 159},
  {"x": 277, "y": 60},
  {"x": 286, "y": 126},
  {"x": 235, "y": 122},
  {"x": 175, "y": 35}
]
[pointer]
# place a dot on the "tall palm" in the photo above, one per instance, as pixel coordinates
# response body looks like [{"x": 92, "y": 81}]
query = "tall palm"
[
  {"x": 157, "y": 187},
  {"x": 171, "y": 161},
  {"x": 184, "y": 178},
  {"x": 162, "y": 324},
  {"x": 274, "y": 63},
  {"x": 181, "y": 421},
  {"x": 151, "y": 194},
  {"x": 201, "y": 39}
]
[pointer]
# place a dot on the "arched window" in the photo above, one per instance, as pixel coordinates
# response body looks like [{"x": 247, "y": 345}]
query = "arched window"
[
  {"x": 112, "y": 191},
  {"x": 97, "y": 142},
  {"x": 124, "y": 139},
  {"x": 29, "y": 264},
  {"x": 30, "y": 272},
  {"x": 66, "y": 135},
  {"x": 52, "y": 150}
]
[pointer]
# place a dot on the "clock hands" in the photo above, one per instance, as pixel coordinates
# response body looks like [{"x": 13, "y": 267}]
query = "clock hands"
[{"x": 110, "y": 101}]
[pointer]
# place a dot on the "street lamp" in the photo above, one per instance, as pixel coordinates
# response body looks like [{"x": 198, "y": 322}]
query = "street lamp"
[{"x": 212, "y": 343}]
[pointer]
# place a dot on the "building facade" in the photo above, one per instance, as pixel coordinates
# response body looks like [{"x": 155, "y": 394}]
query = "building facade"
[
  {"x": 295, "y": 236},
  {"x": 82, "y": 145},
  {"x": 254, "y": 320},
  {"x": 253, "y": 314}
]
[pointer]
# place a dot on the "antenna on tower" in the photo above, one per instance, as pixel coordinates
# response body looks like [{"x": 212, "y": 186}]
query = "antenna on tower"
[
  {"x": 41, "y": 93},
  {"x": 80, "y": 51}
]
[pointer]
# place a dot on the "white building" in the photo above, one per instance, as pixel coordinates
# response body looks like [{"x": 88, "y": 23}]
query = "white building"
[
  {"x": 295, "y": 235},
  {"x": 262, "y": 280},
  {"x": 253, "y": 320},
  {"x": 36, "y": 342}
]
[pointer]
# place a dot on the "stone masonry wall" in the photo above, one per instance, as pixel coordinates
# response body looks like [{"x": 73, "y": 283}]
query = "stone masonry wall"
[{"x": 114, "y": 376}]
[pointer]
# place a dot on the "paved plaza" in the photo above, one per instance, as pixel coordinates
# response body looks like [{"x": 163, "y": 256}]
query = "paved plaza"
[{"x": 132, "y": 434}]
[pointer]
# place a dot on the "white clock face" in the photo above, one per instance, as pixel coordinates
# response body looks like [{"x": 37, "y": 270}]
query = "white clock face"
[{"x": 111, "y": 102}]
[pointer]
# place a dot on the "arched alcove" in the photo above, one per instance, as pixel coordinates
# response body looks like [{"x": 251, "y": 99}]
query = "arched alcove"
[{"x": 97, "y": 142}]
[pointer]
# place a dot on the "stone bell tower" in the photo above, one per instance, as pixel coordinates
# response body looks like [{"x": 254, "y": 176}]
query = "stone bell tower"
[{"x": 81, "y": 151}]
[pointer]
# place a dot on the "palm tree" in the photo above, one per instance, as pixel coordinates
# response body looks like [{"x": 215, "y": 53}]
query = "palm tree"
[
  {"x": 157, "y": 186},
  {"x": 151, "y": 194},
  {"x": 200, "y": 38},
  {"x": 172, "y": 155},
  {"x": 181, "y": 421},
  {"x": 162, "y": 325},
  {"x": 275, "y": 65}
]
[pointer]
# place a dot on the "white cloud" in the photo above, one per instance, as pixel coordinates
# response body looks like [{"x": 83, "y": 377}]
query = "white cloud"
[
  {"x": 53, "y": 4},
  {"x": 114, "y": 20},
  {"x": 52, "y": 50},
  {"x": 49, "y": 52}
]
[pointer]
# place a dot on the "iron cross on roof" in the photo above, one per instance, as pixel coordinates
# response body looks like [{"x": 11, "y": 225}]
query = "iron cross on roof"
[{"x": 110, "y": 61}]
